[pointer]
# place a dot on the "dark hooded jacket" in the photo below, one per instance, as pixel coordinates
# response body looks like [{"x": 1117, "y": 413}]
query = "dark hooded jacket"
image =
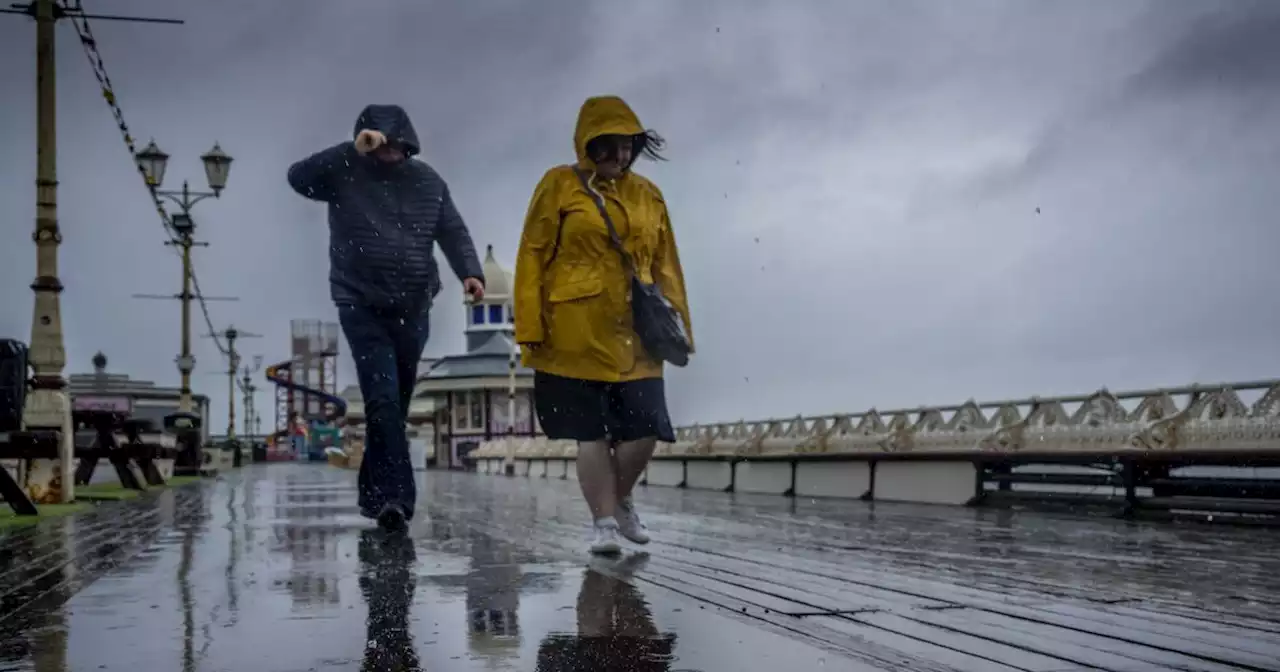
[{"x": 384, "y": 220}]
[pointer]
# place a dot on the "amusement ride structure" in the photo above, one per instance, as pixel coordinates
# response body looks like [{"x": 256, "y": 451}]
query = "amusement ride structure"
[{"x": 309, "y": 412}]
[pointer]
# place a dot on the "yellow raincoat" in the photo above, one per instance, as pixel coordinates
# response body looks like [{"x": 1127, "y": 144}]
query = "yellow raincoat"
[{"x": 571, "y": 291}]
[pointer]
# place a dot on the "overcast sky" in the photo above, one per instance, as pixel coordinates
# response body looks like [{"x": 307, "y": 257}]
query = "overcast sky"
[{"x": 877, "y": 203}]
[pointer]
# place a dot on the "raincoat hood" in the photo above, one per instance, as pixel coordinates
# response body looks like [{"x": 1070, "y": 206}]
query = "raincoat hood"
[
  {"x": 393, "y": 122},
  {"x": 603, "y": 115}
]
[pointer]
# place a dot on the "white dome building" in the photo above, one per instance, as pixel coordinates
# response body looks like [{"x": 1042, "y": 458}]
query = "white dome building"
[
  {"x": 492, "y": 314},
  {"x": 475, "y": 393}
]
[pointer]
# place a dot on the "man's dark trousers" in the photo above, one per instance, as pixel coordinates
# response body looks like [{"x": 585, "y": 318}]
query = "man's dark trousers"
[{"x": 386, "y": 344}]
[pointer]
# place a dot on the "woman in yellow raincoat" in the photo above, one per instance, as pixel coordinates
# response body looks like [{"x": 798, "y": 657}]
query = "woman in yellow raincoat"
[{"x": 594, "y": 382}]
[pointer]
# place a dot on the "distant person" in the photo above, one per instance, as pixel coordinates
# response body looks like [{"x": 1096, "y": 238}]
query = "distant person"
[
  {"x": 595, "y": 383},
  {"x": 386, "y": 212}
]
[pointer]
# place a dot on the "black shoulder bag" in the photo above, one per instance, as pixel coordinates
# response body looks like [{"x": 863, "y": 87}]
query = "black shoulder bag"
[{"x": 657, "y": 323}]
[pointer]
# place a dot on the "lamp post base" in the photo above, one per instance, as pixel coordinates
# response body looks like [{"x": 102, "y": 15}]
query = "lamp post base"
[
  {"x": 185, "y": 426},
  {"x": 50, "y": 481}
]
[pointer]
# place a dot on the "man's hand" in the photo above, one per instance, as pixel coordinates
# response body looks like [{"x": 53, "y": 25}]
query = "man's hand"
[
  {"x": 369, "y": 140},
  {"x": 474, "y": 288}
]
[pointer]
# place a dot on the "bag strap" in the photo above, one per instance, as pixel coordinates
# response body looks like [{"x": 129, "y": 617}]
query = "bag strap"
[{"x": 627, "y": 263}]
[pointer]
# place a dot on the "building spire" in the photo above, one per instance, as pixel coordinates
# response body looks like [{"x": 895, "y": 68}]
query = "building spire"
[{"x": 493, "y": 312}]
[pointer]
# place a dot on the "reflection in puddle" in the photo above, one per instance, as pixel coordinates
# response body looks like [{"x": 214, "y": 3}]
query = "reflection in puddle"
[
  {"x": 387, "y": 583},
  {"x": 305, "y": 530},
  {"x": 493, "y": 584},
  {"x": 616, "y": 631},
  {"x": 35, "y": 563}
]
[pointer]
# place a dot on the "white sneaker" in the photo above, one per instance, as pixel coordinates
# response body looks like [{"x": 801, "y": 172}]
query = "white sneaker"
[
  {"x": 629, "y": 524},
  {"x": 606, "y": 540},
  {"x": 623, "y": 567}
]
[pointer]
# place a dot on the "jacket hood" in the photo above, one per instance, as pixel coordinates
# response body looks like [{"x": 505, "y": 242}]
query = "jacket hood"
[
  {"x": 393, "y": 122},
  {"x": 603, "y": 115}
]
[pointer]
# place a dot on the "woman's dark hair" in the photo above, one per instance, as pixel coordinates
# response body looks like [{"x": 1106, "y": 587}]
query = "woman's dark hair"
[{"x": 647, "y": 144}]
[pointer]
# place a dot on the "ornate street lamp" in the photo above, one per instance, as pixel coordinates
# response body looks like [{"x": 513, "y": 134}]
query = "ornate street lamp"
[
  {"x": 152, "y": 162},
  {"x": 217, "y": 166}
]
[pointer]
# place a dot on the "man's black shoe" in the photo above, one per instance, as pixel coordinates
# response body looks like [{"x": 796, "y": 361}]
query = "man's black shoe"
[{"x": 391, "y": 518}]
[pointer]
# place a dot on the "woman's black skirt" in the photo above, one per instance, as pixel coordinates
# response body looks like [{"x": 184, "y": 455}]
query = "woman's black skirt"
[{"x": 590, "y": 410}]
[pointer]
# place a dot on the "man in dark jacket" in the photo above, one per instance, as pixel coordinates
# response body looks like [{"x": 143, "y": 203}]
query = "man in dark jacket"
[{"x": 386, "y": 212}]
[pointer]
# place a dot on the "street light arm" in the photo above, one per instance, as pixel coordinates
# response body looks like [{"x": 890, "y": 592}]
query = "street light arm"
[{"x": 186, "y": 199}]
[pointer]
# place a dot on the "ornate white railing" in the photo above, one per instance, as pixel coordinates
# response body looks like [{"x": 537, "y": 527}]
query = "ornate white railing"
[{"x": 1194, "y": 418}]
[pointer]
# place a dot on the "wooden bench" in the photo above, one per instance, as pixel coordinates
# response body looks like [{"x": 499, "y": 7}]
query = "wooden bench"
[
  {"x": 134, "y": 459},
  {"x": 24, "y": 445}
]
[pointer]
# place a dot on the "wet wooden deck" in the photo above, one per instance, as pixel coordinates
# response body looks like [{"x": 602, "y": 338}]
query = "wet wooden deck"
[
  {"x": 272, "y": 569},
  {"x": 906, "y": 587}
]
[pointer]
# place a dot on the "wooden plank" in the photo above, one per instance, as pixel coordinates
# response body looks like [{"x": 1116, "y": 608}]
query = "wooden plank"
[
  {"x": 1085, "y": 649},
  {"x": 871, "y": 592},
  {"x": 744, "y": 596},
  {"x": 872, "y": 653},
  {"x": 832, "y": 595},
  {"x": 995, "y": 574},
  {"x": 1253, "y": 650},
  {"x": 1087, "y": 623},
  {"x": 939, "y": 656},
  {"x": 905, "y": 587},
  {"x": 1022, "y": 588},
  {"x": 1084, "y": 621},
  {"x": 991, "y": 645},
  {"x": 1184, "y": 629},
  {"x": 1224, "y": 623},
  {"x": 35, "y": 445}
]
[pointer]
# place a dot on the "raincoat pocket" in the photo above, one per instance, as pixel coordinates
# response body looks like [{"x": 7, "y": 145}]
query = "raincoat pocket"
[{"x": 572, "y": 313}]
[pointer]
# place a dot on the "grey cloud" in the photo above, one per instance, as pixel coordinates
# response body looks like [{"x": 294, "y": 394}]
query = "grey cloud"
[
  {"x": 887, "y": 157},
  {"x": 1232, "y": 51}
]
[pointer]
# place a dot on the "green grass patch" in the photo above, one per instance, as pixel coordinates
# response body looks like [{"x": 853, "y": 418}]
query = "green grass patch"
[
  {"x": 111, "y": 492},
  {"x": 10, "y": 519},
  {"x": 86, "y": 498}
]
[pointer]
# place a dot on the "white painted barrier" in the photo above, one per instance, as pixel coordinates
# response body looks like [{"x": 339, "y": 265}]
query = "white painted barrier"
[
  {"x": 926, "y": 482},
  {"x": 934, "y": 455},
  {"x": 848, "y": 480},
  {"x": 772, "y": 478}
]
